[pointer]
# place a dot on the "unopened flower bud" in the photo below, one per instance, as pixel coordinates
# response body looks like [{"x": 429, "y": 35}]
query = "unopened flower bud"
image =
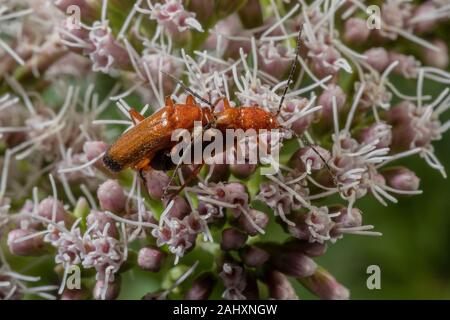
[
  {"x": 377, "y": 58},
  {"x": 157, "y": 181},
  {"x": 253, "y": 256},
  {"x": 180, "y": 207},
  {"x": 74, "y": 294},
  {"x": 86, "y": 10},
  {"x": 400, "y": 113},
  {"x": 202, "y": 287},
  {"x": 401, "y": 178},
  {"x": 150, "y": 259},
  {"x": 325, "y": 286},
  {"x": 356, "y": 30},
  {"x": 46, "y": 207},
  {"x": 242, "y": 171},
  {"x": 279, "y": 286},
  {"x": 111, "y": 292},
  {"x": 93, "y": 149},
  {"x": 423, "y": 10},
  {"x": 219, "y": 172},
  {"x": 251, "y": 14},
  {"x": 258, "y": 217},
  {"x": 438, "y": 59},
  {"x": 232, "y": 239},
  {"x": 111, "y": 196},
  {"x": 293, "y": 264},
  {"x": 30, "y": 247},
  {"x": 203, "y": 9},
  {"x": 314, "y": 249},
  {"x": 326, "y": 101}
]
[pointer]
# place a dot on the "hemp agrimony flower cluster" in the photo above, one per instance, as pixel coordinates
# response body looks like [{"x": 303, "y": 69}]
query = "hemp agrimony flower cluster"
[{"x": 71, "y": 69}]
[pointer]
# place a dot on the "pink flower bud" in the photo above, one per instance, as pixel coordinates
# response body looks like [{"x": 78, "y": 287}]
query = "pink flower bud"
[
  {"x": 400, "y": 113},
  {"x": 112, "y": 290},
  {"x": 234, "y": 46},
  {"x": 377, "y": 58},
  {"x": 401, "y": 178},
  {"x": 314, "y": 249},
  {"x": 70, "y": 33},
  {"x": 31, "y": 247},
  {"x": 395, "y": 13},
  {"x": 259, "y": 218},
  {"x": 202, "y": 287},
  {"x": 150, "y": 259},
  {"x": 94, "y": 149},
  {"x": 157, "y": 182},
  {"x": 242, "y": 171},
  {"x": 325, "y": 286},
  {"x": 232, "y": 239},
  {"x": 46, "y": 210},
  {"x": 74, "y": 294},
  {"x": 253, "y": 256},
  {"x": 377, "y": 131},
  {"x": 279, "y": 286},
  {"x": 423, "y": 10},
  {"x": 86, "y": 11},
  {"x": 356, "y": 30},
  {"x": 203, "y": 9},
  {"x": 219, "y": 172},
  {"x": 111, "y": 196},
  {"x": 251, "y": 14},
  {"x": 326, "y": 101},
  {"x": 293, "y": 264},
  {"x": 180, "y": 207},
  {"x": 228, "y": 26},
  {"x": 437, "y": 59},
  {"x": 101, "y": 219}
]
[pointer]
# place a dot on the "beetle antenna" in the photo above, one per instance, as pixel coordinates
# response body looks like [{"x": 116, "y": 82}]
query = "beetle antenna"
[
  {"x": 188, "y": 89},
  {"x": 292, "y": 71}
]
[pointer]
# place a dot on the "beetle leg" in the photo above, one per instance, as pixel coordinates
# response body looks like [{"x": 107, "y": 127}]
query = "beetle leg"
[
  {"x": 135, "y": 116},
  {"x": 144, "y": 165}
]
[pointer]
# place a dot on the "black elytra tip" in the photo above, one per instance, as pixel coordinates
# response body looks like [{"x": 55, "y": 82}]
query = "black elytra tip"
[{"x": 111, "y": 164}]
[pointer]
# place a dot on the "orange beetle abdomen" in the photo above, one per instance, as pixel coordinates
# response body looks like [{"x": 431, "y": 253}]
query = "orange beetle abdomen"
[{"x": 152, "y": 135}]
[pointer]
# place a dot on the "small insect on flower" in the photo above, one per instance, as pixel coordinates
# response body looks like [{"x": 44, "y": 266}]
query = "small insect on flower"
[{"x": 141, "y": 146}]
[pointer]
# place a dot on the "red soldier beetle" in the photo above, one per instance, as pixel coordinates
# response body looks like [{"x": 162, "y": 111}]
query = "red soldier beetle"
[{"x": 150, "y": 136}]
